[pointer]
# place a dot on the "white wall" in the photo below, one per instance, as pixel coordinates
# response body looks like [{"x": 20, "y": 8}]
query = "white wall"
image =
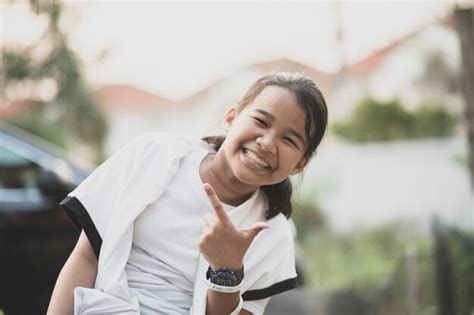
[{"x": 370, "y": 184}]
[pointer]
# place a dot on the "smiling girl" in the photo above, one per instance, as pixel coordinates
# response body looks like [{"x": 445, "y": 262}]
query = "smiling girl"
[{"x": 176, "y": 225}]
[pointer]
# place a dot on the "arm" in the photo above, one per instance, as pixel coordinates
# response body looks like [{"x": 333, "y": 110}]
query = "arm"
[
  {"x": 80, "y": 270},
  {"x": 224, "y": 246},
  {"x": 218, "y": 303},
  {"x": 221, "y": 303}
]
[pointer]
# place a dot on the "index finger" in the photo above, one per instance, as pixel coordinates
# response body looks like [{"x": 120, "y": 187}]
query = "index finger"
[{"x": 216, "y": 204}]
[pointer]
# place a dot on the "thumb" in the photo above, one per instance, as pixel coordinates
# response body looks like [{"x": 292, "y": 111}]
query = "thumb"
[{"x": 255, "y": 229}]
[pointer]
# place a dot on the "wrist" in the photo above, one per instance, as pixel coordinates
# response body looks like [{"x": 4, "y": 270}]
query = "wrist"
[
  {"x": 231, "y": 266},
  {"x": 225, "y": 277}
]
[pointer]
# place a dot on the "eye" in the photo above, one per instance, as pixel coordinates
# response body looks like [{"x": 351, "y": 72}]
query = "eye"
[
  {"x": 261, "y": 122},
  {"x": 290, "y": 141}
]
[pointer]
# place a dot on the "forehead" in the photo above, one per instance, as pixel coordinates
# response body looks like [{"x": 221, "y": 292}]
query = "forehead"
[{"x": 282, "y": 104}]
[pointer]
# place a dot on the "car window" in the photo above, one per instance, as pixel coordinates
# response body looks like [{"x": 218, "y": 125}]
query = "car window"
[{"x": 18, "y": 178}]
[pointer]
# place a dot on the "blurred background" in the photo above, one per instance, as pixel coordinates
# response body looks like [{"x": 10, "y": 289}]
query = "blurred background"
[{"x": 384, "y": 213}]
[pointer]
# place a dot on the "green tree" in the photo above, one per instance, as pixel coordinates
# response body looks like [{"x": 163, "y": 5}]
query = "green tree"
[
  {"x": 438, "y": 75},
  {"x": 432, "y": 121},
  {"x": 71, "y": 112},
  {"x": 373, "y": 120}
]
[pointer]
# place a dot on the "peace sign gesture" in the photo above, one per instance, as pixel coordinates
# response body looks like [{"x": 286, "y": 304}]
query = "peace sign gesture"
[{"x": 221, "y": 243}]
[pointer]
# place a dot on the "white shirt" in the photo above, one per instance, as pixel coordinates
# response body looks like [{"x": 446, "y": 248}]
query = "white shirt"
[
  {"x": 109, "y": 202},
  {"x": 164, "y": 256}
]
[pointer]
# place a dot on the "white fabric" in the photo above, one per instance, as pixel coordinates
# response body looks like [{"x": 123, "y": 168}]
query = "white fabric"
[
  {"x": 162, "y": 263},
  {"x": 118, "y": 191}
]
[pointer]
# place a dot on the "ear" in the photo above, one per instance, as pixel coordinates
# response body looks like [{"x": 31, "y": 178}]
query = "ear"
[
  {"x": 300, "y": 166},
  {"x": 229, "y": 117}
]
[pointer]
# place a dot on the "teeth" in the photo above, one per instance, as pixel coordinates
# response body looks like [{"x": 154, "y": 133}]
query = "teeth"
[{"x": 256, "y": 159}]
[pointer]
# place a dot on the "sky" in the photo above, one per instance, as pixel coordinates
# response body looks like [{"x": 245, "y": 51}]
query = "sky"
[{"x": 177, "y": 48}]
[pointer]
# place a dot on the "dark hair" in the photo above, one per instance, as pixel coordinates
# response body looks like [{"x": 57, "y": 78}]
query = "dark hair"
[{"x": 311, "y": 99}]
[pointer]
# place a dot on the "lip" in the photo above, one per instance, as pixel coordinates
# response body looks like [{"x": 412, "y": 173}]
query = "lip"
[{"x": 252, "y": 163}]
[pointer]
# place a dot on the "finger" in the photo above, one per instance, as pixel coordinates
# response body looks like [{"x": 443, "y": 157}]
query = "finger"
[
  {"x": 255, "y": 229},
  {"x": 216, "y": 204},
  {"x": 209, "y": 219}
]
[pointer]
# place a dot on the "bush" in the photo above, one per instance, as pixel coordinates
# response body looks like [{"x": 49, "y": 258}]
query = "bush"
[
  {"x": 432, "y": 121},
  {"x": 358, "y": 260},
  {"x": 373, "y": 120}
]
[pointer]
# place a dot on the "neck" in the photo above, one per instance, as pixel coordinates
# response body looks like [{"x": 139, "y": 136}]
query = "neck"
[{"x": 228, "y": 188}]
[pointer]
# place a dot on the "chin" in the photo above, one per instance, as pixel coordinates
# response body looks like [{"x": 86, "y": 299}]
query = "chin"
[{"x": 253, "y": 179}]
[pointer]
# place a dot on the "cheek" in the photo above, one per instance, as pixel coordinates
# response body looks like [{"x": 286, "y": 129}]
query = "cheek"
[
  {"x": 292, "y": 160},
  {"x": 238, "y": 136}
]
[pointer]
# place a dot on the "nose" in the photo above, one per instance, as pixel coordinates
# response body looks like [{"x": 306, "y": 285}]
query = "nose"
[{"x": 267, "y": 144}]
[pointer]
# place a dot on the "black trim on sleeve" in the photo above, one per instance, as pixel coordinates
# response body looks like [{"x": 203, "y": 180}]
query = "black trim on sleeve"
[
  {"x": 271, "y": 290},
  {"x": 82, "y": 221}
]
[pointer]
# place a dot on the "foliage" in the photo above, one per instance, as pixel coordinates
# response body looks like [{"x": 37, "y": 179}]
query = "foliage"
[
  {"x": 438, "y": 74},
  {"x": 373, "y": 120},
  {"x": 307, "y": 217},
  {"x": 372, "y": 262},
  {"x": 44, "y": 128},
  {"x": 71, "y": 112},
  {"x": 461, "y": 160},
  {"x": 359, "y": 259},
  {"x": 461, "y": 253},
  {"x": 393, "y": 298},
  {"x": 432, "y": 121}
]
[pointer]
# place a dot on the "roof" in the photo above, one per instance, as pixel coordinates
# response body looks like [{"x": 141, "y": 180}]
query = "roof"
[
  {"x": 127, "y": 97},
  {"x": 370, "y": 62},
  {"x": 323, "y": 80}
]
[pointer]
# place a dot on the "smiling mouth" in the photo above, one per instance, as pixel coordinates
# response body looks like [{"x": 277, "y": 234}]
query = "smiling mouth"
[{"x": 256, "y": 159}]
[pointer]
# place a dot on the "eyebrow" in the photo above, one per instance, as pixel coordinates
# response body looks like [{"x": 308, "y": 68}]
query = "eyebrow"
[{"x": 291, "y": 130}]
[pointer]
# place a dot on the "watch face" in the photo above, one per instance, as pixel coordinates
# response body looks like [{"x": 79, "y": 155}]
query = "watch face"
[{"x": 225, "y": 278}]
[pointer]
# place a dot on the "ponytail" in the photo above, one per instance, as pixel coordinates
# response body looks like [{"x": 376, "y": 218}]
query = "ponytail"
[{"x": 279, "y": 195}]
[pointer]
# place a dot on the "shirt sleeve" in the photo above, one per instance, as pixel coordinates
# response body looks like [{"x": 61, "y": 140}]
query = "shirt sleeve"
[
  {"x": 256, "y": 307},
  {"x": 272, "y": 265},
  {"x": 91, "y": 205}
]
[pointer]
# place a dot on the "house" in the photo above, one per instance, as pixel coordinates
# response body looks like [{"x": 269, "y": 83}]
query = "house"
[
  {"x": 400, "y": 69},
  {"x": 132, "y": 111}
]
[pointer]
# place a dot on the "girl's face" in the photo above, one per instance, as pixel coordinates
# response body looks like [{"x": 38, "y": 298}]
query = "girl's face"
[{"x": 266, "y": 141}]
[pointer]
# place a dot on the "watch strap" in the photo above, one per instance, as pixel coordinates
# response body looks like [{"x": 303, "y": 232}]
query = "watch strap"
[{"x": 222, "y": 288}]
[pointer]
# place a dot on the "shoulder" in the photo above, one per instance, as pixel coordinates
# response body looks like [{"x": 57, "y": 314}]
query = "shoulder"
[
  {"x": 281, "y": 226},
  {"x": 278, "y": 238},
  {"x": 165, "y": 140},
  {"x": 270, "y": 261},
  {"x": 158, "y": 137}
]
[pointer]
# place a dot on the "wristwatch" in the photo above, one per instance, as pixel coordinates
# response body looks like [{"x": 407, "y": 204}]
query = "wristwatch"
[{"x": 225, "y": 277}]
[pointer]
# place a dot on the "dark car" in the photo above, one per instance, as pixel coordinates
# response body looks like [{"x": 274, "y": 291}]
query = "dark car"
[{"x": 36, "y": 236}]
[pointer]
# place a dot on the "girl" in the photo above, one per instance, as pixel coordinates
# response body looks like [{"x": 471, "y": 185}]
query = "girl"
[{"x": 150, "y": 244}]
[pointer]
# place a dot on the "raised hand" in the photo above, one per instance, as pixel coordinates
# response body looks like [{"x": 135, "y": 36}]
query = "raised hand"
[{"x": 222, "y": 244}]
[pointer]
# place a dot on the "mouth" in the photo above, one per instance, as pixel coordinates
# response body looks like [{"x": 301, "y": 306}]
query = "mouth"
[{"x": 255, "y": 159}]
